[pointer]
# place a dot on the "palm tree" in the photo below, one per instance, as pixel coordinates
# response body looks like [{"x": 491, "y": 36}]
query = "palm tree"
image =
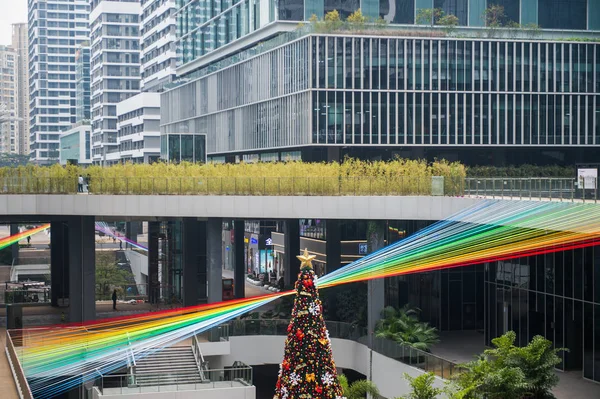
[
  {"x": 358, "y": 389},
  {"x": 404, "y": 327}
]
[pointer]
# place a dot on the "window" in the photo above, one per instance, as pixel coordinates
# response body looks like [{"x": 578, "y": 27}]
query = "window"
[{"x": 562, "y": 14}]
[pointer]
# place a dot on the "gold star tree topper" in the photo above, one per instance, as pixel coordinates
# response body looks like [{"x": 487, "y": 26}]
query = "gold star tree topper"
[{"x": 306, "y": 259}]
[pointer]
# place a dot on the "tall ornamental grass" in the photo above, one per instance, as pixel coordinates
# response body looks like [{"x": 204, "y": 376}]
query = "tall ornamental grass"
[{"x": 351, "y": 177}]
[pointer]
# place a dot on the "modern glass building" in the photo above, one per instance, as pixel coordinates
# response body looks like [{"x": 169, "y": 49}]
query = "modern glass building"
[{"x": 359, "y": 94}]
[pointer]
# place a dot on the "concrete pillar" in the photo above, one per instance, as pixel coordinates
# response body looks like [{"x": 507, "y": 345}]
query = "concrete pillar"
[
  {"x": 333, "y": 245},
  {"x": 131, "y": 231},
  {"x": 239, "y": 271},
  {"x": 153, "y": 283},
  {"x": 82, "y": 278},
  {"x": 59, "y": 262},
  {"x": 214, "y": 259},
  {"x": 291, "y": 264},
  {"x": 14, "y": 229},
  {"x": 376, "y": 288},
  {"x": 194, "y": 261}
]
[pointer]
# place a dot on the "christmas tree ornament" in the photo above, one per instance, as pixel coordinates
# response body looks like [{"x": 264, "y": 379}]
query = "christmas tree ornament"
[{"x": 308, "y": 369}]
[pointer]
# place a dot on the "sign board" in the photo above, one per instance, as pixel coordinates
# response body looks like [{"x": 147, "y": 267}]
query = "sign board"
[
  {"x": 269, "y": 241},
  {"x": 253, "y": 240},
  {"x": 587, "y": 178},
  {"x": 363, "y": 248}
]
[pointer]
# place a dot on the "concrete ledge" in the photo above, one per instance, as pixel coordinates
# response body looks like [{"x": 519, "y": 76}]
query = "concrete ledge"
[{"x": 152, "y": 207}]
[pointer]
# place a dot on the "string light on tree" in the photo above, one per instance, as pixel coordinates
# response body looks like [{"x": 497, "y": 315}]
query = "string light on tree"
[{"x": 308, "y": 369}]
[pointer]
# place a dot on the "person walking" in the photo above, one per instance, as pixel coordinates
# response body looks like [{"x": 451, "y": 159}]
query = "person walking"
[
  {"x": 88, "y": 181},
  {"x": 80, "y": 184},
  {"x": 114, "y": 299}
]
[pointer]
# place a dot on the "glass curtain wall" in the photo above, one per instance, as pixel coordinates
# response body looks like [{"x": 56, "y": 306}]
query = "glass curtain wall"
[
  {"x": 379, "y": 91},
  {"x": 553, "y": 295}
]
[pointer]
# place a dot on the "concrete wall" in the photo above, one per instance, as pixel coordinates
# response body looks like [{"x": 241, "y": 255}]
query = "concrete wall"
[
  {"x": 257, "y": 350},
  {"x": 139, "y": 266},
  {"x": 243, "y": 207}
]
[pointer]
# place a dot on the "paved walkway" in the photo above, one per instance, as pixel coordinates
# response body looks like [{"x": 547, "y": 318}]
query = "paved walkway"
[{"x": 463, "y": 346}]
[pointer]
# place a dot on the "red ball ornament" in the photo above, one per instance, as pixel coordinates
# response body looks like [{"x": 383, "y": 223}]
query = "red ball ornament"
[{"x": 307, "y": 283}]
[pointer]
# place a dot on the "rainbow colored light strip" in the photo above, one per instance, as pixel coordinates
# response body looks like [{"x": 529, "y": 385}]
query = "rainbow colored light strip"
[
  {"x": 56, "y": 359},
  {"x": 104, "y": 228},
  {"x": 8, "y": 241}
]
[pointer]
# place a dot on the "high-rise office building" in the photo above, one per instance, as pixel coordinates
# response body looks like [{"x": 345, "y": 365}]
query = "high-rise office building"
[
  {"x": 115, "y": 68},
  {"x": 56, "y": 29},
  {"x": 20, "y": 45},
  {"x": 158, "y": 43},
  {"x": 8, "y": 101}
]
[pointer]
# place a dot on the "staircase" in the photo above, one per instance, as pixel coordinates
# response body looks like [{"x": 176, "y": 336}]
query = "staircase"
[{"x": 169, "y": 366}]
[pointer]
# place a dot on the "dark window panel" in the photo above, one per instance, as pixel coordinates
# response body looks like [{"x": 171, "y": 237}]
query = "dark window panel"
[
  {"x": 458, "y": 8},
  {"x": 562, "y": 14},
  {"x": 397, "y": 11}
]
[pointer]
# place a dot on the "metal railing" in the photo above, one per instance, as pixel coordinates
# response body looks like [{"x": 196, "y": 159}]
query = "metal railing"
[
  {"x": 562, "y": 189},
  {"x": 13, "y": 356},
  {"x": 417, "y": 358},
  {"x": 26, "y": 296},
  {"x": 539, "y": 188},
  {"x": 119, "y": 384}
]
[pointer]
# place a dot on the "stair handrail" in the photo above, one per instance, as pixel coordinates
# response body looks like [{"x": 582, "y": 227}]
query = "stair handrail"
[
  {"x": 199, "y": 357},
  {"x": 133, "y": 364}
]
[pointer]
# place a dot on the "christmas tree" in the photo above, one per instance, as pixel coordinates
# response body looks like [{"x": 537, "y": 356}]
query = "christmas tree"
[{"x": 307, "y": 370}]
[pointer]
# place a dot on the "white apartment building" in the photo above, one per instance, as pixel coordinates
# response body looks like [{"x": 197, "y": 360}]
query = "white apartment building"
[
  {"x": 139, "y": 129},
  {"x": 75, "y": 145},
  {"x": 115, "y": 69},
  {"x": 20, "y": 43},
  {"x": 158, "y": 43},
  {"x": 56, "y": 29},
  {"x": 8, "y": 101}
]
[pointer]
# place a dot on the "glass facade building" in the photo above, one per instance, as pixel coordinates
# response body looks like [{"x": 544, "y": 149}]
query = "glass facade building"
[
  {"x": 183, "y": 147},
  {"x": 360, "y": 92},
  {"x": 554, "y": 295},
  {"x": 204, "y": 26}
]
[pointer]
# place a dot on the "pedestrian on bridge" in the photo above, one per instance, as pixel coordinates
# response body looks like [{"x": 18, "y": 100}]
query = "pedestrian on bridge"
[{"x": 114, "y": 299}]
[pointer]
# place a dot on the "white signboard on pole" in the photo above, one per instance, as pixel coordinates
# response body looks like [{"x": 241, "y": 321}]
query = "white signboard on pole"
[{"x": 587, "y": 178}]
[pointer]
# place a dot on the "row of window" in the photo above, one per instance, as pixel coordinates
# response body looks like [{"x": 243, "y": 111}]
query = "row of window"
[
  {"x": 413, "y": 64},
  {"x": 454, "y": 119}
]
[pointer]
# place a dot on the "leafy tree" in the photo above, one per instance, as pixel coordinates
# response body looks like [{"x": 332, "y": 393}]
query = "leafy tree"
[
  {"x": 422, "y": 387},
  {"x": 450, "y": 22},
  {"x": 537, "y": 360},
  {"x": 357, "y": 20},
  {"x": 108, "y": 274},
  {"x": 404, "y": 327},
  {"x": 358, "y": 389},
  {"x": 429, "y": 16},
  {"x": 494, "y": 16},
  {"x": 333, "y": 20},
  {"x": 510, "y": 372}
]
